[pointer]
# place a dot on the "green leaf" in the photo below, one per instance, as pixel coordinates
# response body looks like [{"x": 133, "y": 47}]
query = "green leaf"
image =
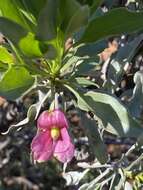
[
  {"x": 12, "y": 30},
  {"x": 128, "y": 51},
  {"x": 124, "y": 56},
  {"x": 5, "y": 56},
  {"x": 11, "y": 10},
  {"x": 69, "y": 64},
  {"x": 88, "y": 67},
  {"x": 23, "y": 12},
  {"x": 79, "y": 19},
  {"x": 3, "y": 68},
  {"x": 91, "y": 49},
  {"x": 15, "y": 82},
  {"x": 95, "y": 139},
  {"x": 117, "y": 182},
  {"x": 68, "y": 8},
  {"x": 47, "y": 22},
  {"x": 34, "y": 48},
  {"x": 117, "y": 115},
  {"x": 109, "y": 110},
  {"x": 81, "y": 102},
  {"x": 30, "y": 46},
  {"x": 83, "y": 82},
  {"x": 32, "y": 6},
  {"x": 112, "y": 24},
  {"x": 95, "y": 5}
]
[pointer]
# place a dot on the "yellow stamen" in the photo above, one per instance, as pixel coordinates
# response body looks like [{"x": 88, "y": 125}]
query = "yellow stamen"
[{"x": 55, "y": 133}]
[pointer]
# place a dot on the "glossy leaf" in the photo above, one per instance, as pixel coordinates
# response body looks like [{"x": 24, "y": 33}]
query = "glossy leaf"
[
  {"x": 118, "y": 113},
  {"x": 110, "y": 110},
  {"x": 112, "y": 24},
  {"x": 15, "y": 82}
]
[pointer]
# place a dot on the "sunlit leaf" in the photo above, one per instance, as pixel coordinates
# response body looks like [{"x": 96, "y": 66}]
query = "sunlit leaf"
[
  {"x": 5, "y": 56},
  {"x": 15, "y": 82}
]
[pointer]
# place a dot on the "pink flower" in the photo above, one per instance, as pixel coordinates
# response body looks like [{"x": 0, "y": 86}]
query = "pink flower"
[{"x": 52, "y": 138}]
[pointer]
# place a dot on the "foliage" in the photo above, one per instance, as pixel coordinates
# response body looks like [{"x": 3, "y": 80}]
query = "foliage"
[{"x": 39, "y": 59}]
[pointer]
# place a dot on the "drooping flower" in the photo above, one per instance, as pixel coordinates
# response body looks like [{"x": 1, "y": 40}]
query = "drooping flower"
[{"x": 52, "y": 138}]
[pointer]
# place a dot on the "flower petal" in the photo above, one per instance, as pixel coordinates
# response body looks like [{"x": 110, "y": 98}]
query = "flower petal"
[
  {"x": 64, "y": 149},
  {"x": 67, "y": 155},
  {"x": 44, "y": 120},
  {"x": 60, "y": 119},
  {"x": 42, "y": 147},
  {"x": 53, "y": 118}
]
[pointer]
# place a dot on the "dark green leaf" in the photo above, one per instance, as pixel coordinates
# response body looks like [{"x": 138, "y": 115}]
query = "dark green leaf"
[
  {"x": 112, "y": 24},
  {"x": 95, "y": 139},
  {"x": 128, "y": 51},
  {"x": 124, "y": 56},
  {"x": 116, "y": 182},
  {"x": 79, "y": 19},
  {"x": 96, "y": 4},
  {"x": 110, "y": 110},
  {"x": 68, "y": 9},
  {"x": 12, "y": 30},
  {"x": 32, "y": 6},
  {"x": 88, "y": 67},
  {"x": 91, "y": 49},
  {"x": 47, "y": 22},
  {"x": 115, "y": 113},
  {"x": 15, "y": 82}
]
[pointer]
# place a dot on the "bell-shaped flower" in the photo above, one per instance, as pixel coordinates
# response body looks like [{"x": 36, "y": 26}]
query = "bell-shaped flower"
[{"x": 52, "y": 138}]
